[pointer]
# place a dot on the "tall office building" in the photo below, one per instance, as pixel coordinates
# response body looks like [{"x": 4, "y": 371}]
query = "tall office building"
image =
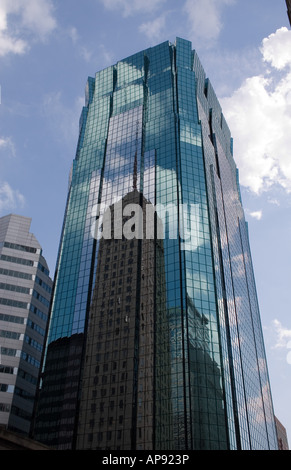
[
  {"x": 155, "y": 339},
  {"x": 25, "y": 292}
]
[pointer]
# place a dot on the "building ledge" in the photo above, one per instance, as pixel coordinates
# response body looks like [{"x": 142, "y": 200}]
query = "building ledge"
[{"x": 13, "y": 441}]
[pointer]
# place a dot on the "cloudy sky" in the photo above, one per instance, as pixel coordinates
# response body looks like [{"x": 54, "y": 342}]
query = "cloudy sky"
[{"x": 48, "y": 48}]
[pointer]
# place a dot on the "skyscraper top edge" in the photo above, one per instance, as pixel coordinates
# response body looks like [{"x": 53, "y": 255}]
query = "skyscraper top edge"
[
  {"x": 7, "y": 222},
  {"x": 150, "y": 48},
  {"x": 189, "y": 59},
  {"x": 12, "y": 226},
  {"x": 11, "y": 215}
]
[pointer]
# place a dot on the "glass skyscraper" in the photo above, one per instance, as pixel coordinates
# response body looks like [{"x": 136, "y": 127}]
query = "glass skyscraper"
[{"x": 155, "y": 339}]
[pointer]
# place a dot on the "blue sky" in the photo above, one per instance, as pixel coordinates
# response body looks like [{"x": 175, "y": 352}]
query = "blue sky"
[{"x": 48, "y": 48}]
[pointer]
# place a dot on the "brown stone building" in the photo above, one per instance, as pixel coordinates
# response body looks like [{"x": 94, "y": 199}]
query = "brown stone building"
[{"x": 117, "y": 405}]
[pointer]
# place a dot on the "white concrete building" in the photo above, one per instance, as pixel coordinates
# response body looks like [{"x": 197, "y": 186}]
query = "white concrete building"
[{"x": 25, "y": 292}]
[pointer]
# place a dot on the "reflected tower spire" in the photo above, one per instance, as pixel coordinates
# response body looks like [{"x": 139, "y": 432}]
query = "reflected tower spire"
[{"x": 135, "y": 159}]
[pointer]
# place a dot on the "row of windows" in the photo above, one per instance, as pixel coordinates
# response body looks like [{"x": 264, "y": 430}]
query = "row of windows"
[
  {"x": 41, "y": 283},
  {"x": 30, "y": 359},
  {"x": 21, "y": 413},
  {"x": 4, "y": 408},
  {"x": 17, "y": 336},
  {"x": 110, "y": 421},
  {"x": 34, "y": 344},
  {"x": 9, "y": 334},
  {"x": 35, "y": 327},
  {"x": 43, "y": 269},
  {"x": 17, "y": 274},
  {"x": 27, "y": 377},
  {"x": 13, "y": 259},
  {"x": 16, "y": 246},
  {"x": 24, "y": 375},
  {"x": 11, "y": 318},
  {"x": 41, "y": 299},
  {"x": 103, "y": 406},
  {"x": 24, "y": 394},
  {"x": 10, "y": 352},
  {"x": 6, "y": 369},
  {"x": 13, "y": 303},
  {"x": 6, "y": 388},
  {"x": 107, "y": 435},
  {"x": 14, "y": 288},
  {"x": 38, "y": 312}
]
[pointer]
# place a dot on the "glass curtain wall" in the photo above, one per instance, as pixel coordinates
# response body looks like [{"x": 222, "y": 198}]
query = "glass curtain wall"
[{"x": 152, "y": 123}]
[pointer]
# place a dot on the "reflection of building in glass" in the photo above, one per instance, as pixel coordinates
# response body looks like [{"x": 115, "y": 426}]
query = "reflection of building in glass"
[
  {"x": 205, "y": 378},
  {"x": 25, "y": 292},
  {"x": 156, "y": 112},
  {"x": 59, "y": 400},
  {"x": 117, "y": 404},
  {"x": 207, "y": 391}
]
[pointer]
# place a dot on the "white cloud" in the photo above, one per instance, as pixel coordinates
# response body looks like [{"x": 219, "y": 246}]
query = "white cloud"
[
  {"x": 62, "y": 118},
  {"x": 154, "y": 29},
  {"x": 130, "y": 7},
  {"x": 105, "y": 56},
  {"x": 256, "y": 215},
  {"x": 273, "y": 201},
  {"x": 37, "y": 16},
  {"x": 24, "y": 20},
  {"x": 259, "y": 116},
  {"x": 10, "y": 199},
  {"x": 83, "y": 51},
  {"x": 276, "y": 48},
  {"x": 283, "y": 335},
  {"x": 100, "y": 53},
  {"x": 7, "y": 146},
  {"x": 85, "y": 54},
  {"x": 74, "y": 35},
  {"x": 204, "y": 17}
]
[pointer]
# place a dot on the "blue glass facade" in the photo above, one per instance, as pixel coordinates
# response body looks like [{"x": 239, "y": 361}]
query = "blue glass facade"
[{"x": 152, "y": 122}]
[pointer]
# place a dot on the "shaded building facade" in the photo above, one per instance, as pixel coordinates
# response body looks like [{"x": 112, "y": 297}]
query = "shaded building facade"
[
  {"x": 25, "y": 292},
  {"x": 152, "y": 122},
  {"x": 120, "y": 380},
  {"x": 288, "y": 3},
  {"x": 282, "y": 435}
]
